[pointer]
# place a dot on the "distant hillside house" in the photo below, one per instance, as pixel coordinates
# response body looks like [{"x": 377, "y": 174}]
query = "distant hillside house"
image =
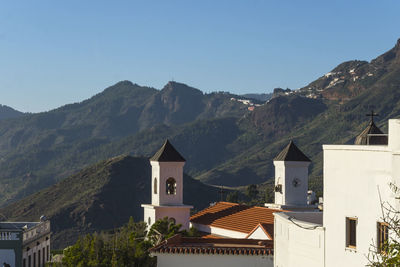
[{"x": 25, "y": 244}]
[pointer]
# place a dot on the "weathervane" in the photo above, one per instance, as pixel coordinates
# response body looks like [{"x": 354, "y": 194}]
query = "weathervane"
[{"x": 372, "y": 115}]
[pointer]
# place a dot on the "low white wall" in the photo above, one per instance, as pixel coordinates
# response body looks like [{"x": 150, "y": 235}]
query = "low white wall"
[
  {"x": 219, "y": 231},
  {"x": 181, "y": 214},
  {"x": 201, "y": 260},
  {"x": 297, "y": 246}
]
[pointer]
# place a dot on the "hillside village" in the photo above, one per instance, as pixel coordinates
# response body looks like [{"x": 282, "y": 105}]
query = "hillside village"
[
  {"x": 178, "y": 177},
  {"x": 291, "y": 231}
]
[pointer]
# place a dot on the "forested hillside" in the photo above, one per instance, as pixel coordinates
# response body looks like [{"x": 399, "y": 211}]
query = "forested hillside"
[
  {"x": 224, "y": 142},
  {"x": 100, "y": 197}
]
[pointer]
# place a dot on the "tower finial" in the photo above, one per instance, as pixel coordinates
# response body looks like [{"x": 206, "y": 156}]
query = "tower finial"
[{"x": 372, "y": 115}]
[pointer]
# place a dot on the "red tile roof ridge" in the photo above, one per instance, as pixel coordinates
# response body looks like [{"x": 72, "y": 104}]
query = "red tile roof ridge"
[
  {"x": 234, "y": 246},
  {"x": 233, "y": 216}
]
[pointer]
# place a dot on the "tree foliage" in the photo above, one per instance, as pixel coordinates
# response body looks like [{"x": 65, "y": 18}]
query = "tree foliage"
[
  {"x": 127, "y": 246},
  {"x": 251, "y": 191},
  {"x": 388, "y": 253},
  {"x": 233, "y": 197}
]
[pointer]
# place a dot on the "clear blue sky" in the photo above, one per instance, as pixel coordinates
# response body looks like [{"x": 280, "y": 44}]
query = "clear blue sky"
[{"x": 58, "y": 52}]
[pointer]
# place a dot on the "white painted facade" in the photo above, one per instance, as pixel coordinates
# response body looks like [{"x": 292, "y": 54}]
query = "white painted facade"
[
  {"x": 201, "y": 260},
  {"x": 161, "y": 171},
  {"x": 259, "y": 233},
  {"x": 357, "y": 180},
  {"x": 164, "y": 204},
  {"x": 219, "y": 231},
  {"x": 292, "y": 176},
  {"x": 181, "y": 214},
  {"x": 299, "y": 239}
]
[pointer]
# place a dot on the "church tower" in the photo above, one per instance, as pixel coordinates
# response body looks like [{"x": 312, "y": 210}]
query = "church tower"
[
  {"x": 291, "y": 178},
  {"x": 167, "y": 188}
]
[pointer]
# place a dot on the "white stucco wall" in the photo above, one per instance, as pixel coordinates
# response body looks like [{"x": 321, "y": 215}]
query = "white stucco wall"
[
  {"x": 219, "y": 231},
  {"x": 201, "y": 260},
  {"x": 162, "y": 171},
  {"x": 285, "y": 173},
  {"x": 259, "y": 234},
  {"x": 353, "y": 178},
  {"x": 181, "y": 214},
  {"x": 298, "y": 246}
]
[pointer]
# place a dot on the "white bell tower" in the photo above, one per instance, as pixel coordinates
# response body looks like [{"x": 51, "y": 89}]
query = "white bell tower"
[
  {"x": 291, "y": 178},
  {"x": 167, "y": 188}
]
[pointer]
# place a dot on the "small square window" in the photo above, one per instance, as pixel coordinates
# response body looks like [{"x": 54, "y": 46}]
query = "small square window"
[{"x": 351, "y": 232}]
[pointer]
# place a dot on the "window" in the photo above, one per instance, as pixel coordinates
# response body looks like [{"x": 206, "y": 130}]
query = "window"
[
  {"x": 155, "y": 185},
  {"x": 149, "y": 221},
  {"x": 34, "y": 259},
  {"x": 48, "y": 253},
  {"x": 171, "y": 186},
  {"x": 383, "y": 235},
  {"x": 44, "y": 253},
  {"x": 24, "y": 262},
  {"x": 351, "y": 232},
  {"x": 39, "y": 257},
  {"x": 29, "y": 261}
]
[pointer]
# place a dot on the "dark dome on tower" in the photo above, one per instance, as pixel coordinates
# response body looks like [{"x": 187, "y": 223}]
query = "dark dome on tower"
[{"x": 371, "y": 135}]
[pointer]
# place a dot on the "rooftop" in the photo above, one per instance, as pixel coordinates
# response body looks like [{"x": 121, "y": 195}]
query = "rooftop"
[
  {"x": 167, "y": 153},
  {"x": 18, "y": 225},
  {"x": 235, "y": 217},
  {"x": 303, "y": 218},
  {"x": 371, "y": 135},
  {"x": 291, "y": 153},
  {"x": 223, "y": 246}
]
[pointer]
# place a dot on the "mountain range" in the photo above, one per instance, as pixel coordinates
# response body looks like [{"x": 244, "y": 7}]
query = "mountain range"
[{"x": 225, "y": 141}]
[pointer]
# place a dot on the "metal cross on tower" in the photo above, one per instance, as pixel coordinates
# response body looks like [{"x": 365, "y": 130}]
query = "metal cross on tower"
[{"x": 372, "y": 115}]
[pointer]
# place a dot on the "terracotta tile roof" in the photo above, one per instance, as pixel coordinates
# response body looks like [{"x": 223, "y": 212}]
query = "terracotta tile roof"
[
  {"x": 235, "y": 217},
  {"x": 223, "y": 246}
]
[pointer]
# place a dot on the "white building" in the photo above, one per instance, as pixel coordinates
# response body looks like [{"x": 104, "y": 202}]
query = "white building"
[
  {"x": 232, "y": 220},
  {"x": 291, "y": 179},
  {"x": 236, "y": 235},
  {"x": 200, "y": 252},
  {"x": 357, "y": 180},
  {"x": 25, "y": 244},
  {"x": 167, "y": 188}
]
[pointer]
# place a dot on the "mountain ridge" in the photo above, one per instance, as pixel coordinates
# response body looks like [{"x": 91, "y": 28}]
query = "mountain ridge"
[
  {"x": 99, "y": 197},
  {"x": 40, "y": 149}
]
